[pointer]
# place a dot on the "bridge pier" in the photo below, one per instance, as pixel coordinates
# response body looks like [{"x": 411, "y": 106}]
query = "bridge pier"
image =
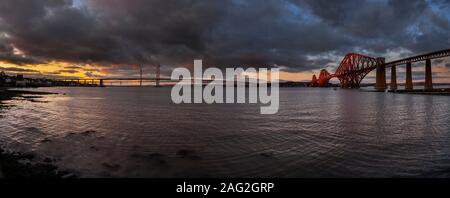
[
  {"x": 409, "y": 81},
  {"x": 381, "y": 75},
  {"x": 158, "y": 74},
  {"x": 394, "y": 78},
  {"x": 428, "y": 76},
  {"x": 101, "y": 83},
  {"x": 140, "y": 75}
]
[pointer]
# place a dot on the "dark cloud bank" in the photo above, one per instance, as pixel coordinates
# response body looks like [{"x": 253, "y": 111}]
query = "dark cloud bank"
[{"x": 223, "y": 33}]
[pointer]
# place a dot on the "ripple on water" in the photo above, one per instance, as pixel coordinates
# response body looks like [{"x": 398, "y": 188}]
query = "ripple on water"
[{"x": 138, "y": 132}]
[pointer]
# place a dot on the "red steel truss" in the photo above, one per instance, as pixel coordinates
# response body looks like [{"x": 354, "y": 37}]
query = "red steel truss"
[{"x": 353, "y": 68}]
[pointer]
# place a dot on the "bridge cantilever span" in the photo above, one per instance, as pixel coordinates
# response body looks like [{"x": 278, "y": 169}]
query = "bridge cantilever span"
[{"x": 354, "y": 67}]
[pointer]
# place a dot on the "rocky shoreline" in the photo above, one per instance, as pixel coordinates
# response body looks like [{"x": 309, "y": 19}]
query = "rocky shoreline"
[
  {"x": 7, "y": 94},
  {"x": 24, "y": 165}
]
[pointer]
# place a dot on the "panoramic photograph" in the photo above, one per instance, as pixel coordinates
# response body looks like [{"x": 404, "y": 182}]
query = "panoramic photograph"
[{"x": 224, "y": 89}]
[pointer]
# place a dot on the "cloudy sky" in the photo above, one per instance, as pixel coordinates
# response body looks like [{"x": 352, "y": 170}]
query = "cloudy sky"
[{"x": 110, "y": 38}]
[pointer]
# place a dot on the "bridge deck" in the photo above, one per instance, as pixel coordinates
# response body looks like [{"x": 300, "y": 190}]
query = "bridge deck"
[{"x": 423, "y": 57}]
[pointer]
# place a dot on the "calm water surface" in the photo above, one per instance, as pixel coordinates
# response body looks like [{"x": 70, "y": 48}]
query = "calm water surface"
[{"x": 139, "y": 132}]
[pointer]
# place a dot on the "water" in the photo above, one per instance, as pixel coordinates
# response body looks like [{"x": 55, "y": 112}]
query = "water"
[{"x": 138, "y": 132}]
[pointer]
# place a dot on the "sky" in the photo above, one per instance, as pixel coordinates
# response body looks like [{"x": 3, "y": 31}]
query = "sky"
[{"x": 113, "y": 38}]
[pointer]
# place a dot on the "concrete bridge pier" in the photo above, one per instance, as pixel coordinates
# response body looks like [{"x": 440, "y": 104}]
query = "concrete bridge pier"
[
  {"x": 381, "y": 75},
  {"x": 428, "y": 76},
  {"x": 409, "y": 81},
  {"x": 158, "y": 75},
  {"x": 394, "y": 78}
]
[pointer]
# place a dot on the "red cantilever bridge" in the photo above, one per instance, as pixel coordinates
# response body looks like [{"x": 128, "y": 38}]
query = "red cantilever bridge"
[{"x": 354, "y": 67}]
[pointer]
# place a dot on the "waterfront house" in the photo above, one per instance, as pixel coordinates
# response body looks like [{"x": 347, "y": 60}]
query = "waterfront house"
[
  {"x": 20, "y": 81},
  {"x": 3, "y": 78}
]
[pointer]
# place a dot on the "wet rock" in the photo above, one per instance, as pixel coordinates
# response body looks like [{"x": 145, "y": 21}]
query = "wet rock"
[
  {"x": 31, "y": 97},
  {"x": 48, "y": 160},
  {"x": 94, "y": 148},
  {"x": 21, "y": 165},
  {"x": 38, "y": 101},
  {"x": 111, "y": 167},
  {"x": 22, "y": 156},
  {"x": 158, "y": 161},
  {"x": 33, "y": 129},
  {"x": 135, "y": 147},
  {"x": 155, "y": 155},
  {"x": 70, "y": 175},
  {"x": 267, "y": 154},
  {"x": 71, "y": 134},
  {"x": 188, "y": 154},
  {"x": 157, "y": 158},
  {"x": 89, "y": 132}
]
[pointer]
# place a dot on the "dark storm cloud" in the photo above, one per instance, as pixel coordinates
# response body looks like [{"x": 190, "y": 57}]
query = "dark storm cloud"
[
  {"x": 7, "y": 55},
  {"x": 19, "y": 60},
  {"x": 73, "y": 67},
  {"x": 91, "y": 70},
  {"x": 380, "y": 25},
  {"x": 70, "y": 71},
  {"x": 92, "y": 75},
  {"x": 53, "y": 73},
  {"x": 17, "y": 69},
  {"x": 368, "y": 19},
  {"x": 223, "y": 33}
]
